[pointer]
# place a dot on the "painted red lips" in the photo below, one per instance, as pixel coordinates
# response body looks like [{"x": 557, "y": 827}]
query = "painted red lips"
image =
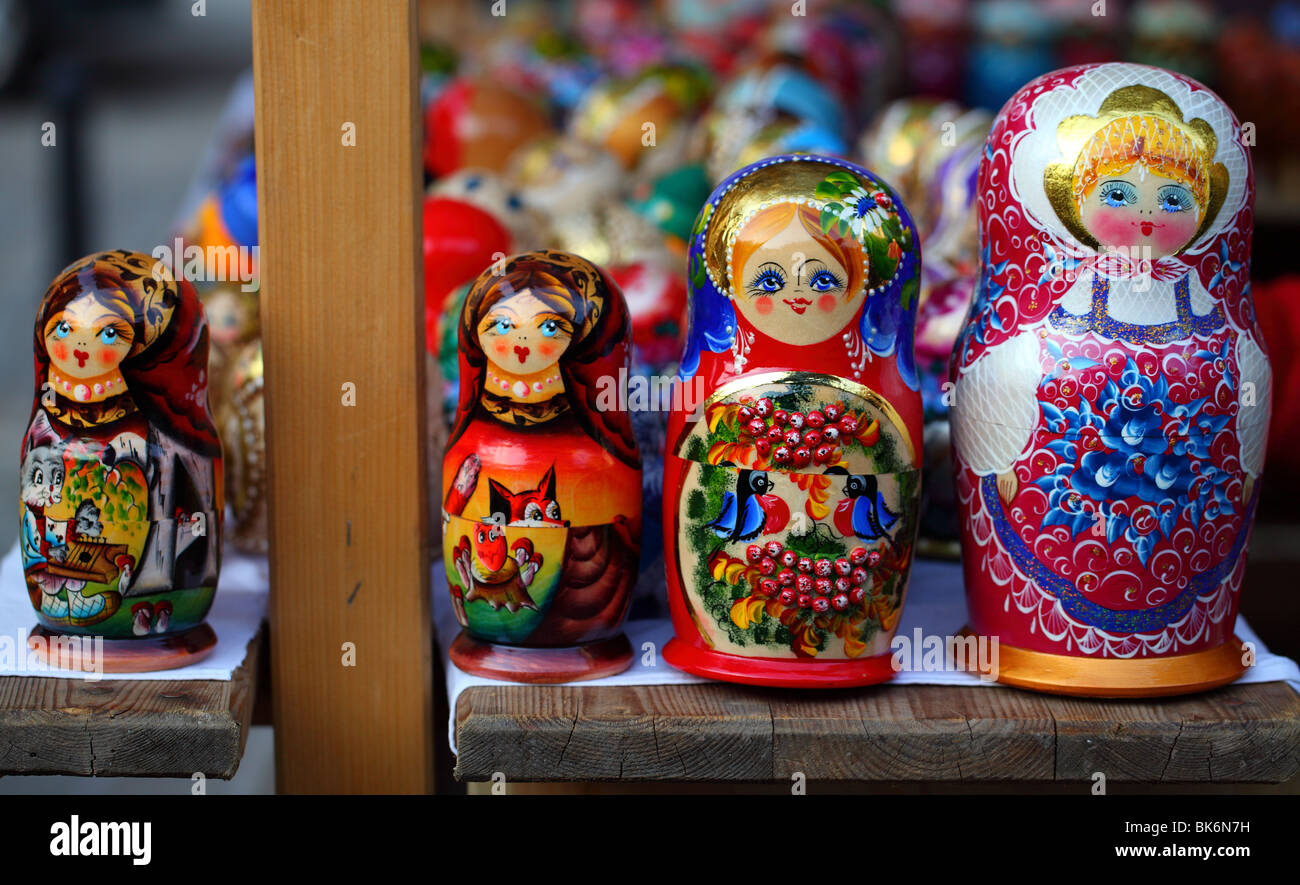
[
  {"x": 522, "y": 353},
  {"x": 81, "y": 356},
  {"x": 798, "y": 305}
]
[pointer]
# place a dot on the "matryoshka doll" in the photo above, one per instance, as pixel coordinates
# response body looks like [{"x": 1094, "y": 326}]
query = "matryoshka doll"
[
  {"x": 1111, "y": 396},
  {"x": 541, "y": 488},
  {"x": 792, "y": 474},
  {"x": 121, "y": 483}
]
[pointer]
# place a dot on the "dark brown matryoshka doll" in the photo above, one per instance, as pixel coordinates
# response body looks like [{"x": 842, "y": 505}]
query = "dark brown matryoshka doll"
[
  {"x": 1111, "y": 399},
  {"x": 121, "y": 499},
  {"x": 792, "y": 476},
  {"x": 542, "y": 477}
]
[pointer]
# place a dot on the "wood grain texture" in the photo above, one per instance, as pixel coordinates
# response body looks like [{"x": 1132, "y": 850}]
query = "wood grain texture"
[
  {"x": 904, "y": 733},
  {"x": 343, "y": 304},
  {"x": 121, "y": 728}
]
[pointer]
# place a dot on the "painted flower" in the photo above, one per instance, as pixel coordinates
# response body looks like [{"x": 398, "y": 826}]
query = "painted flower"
[
  {"x": 1127, "y": 455},
  {"x": 861, "y": 212}
]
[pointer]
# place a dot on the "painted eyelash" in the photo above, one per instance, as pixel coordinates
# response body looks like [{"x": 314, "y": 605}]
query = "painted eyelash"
[
  {"x": 836, "y": 282},
  {"x": 561, "y": 323},
  {"x": 1129, "y": 192},
  {"x": 1182, "y": 197},
  {"x": 765, "y": 274}
]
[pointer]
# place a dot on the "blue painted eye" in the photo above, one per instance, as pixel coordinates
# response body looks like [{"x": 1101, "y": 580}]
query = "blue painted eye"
[
  {"x": 768, "y": 280},
  {"x": 501, "y": 326},
  {"x": 513, "y": 202},
  {"x": 1118, "y": 193},
  {"x": 824, "y": 281},
  {"x": 549, "y": 328},
  {"x": 109, "y": 335},
  {"x": 1174, "y": 198},
  {"x": 62, "y": 330},
  {"x": 472, "y": 183}
]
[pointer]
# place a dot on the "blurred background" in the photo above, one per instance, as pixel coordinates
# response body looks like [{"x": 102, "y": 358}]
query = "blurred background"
[
  {"x": 135, "y": 90},
  {"x": 535, "y": 136}
]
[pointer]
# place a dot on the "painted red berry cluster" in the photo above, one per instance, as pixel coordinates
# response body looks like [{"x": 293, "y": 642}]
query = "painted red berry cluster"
[
  {"x": 820, "y": 585},
  {"x": 794, "y": 438}
]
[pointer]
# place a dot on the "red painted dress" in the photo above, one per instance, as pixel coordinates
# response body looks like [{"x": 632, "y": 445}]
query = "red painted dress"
[{"x": 1109, "y": 413}]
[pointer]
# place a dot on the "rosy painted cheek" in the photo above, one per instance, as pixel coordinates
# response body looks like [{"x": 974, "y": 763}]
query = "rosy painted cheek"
[
  {"x": 763, "y": 305},
  {"x": 108, "y": 357},
  {"x": 1114, "y": 227},
  {"x": 826, "y": 303},
  {"x": 500, "y": 348},
  {"x": 60, "y": 352},
  {"x": 546, "y": 349},
  {"x": 1175, "y": 234}
]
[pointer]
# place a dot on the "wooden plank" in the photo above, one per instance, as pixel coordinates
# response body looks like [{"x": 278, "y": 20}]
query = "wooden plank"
[
  {"x": 687, "y": 732},
  {"x": 903, "y": 733},
  {"x": 125, "y": 728},
  {"x": 342, "y": 305}
]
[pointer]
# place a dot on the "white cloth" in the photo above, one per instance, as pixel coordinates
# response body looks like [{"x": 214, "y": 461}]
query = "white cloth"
[
  {"x": 237, "y": 612},
  {"x": 935, "y": 605}
]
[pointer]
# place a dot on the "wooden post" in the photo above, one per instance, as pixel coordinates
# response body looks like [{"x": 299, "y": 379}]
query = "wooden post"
[{"x": 342, "y": 325}]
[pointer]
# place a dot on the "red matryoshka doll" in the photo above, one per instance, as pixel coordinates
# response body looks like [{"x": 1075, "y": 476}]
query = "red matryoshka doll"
[
  {"x": 1112, "y": 395},
  {"x": 792, "y": 476},
  {"x": 121, "y": 483},
  {"x": 541, "y": 487}
]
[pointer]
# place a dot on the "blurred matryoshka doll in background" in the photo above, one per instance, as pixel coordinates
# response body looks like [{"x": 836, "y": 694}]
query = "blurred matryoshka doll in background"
[
  {"x": 932, "y": 151},
  {"x": 793, "y": 455},
  {"x": 542, "y": 477},
  {"x": 1112, "y": 396}
]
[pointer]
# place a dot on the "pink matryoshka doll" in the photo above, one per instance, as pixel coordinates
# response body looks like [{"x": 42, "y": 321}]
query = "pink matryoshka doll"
[
  {"x": 121, "y": 478},
  {"x": 1112, "y": 395},
  {"x": 792, "y": 474},
  {"x": 541, "y": 482}
]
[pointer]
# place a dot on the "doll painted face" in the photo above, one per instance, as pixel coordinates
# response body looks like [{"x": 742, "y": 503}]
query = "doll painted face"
[
  {"x": 1141, "y": 210},
  {"x": 87, "y": 339},
  {"x": 524, "y": 334},
  {"x": 232, "y": 317},
  {"x": 1141, "y": 184},
  {"x": 791, "y": 281}
]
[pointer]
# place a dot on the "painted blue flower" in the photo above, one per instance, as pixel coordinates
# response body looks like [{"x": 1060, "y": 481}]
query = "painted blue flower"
[
  {"x": 1226, "y": 268},
  {"x": 987, "y": 293},
  {"x": 1135, "y": 462}
]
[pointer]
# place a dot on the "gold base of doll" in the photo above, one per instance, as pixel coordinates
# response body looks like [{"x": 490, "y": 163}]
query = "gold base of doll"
[
  {"x": 122, "y": 655},
  {"x": 1119, "y": 677}
]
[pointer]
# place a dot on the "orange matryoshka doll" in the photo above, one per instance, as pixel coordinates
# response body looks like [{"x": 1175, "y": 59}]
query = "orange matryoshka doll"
[
  {"x": 541, "y": 483},
  {"x": 792, "y": 476},
  {"x": 1111, "y": 396},
  {"x": 121, "y": 483}
]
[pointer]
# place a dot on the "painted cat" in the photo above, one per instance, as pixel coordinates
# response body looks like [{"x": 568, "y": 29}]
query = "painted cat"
[
  {"x": 41, "y": 486},
  {"x": 531, "y": 507}
]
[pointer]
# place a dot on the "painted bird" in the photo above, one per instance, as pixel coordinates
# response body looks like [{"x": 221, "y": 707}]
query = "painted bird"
[
  {"x": 863, "y": 513},
  {"x": 495, "y": 573},
  {"x": 750, "y": 511}
]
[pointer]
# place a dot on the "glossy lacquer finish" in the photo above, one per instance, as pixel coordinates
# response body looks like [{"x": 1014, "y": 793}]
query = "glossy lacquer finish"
[
  {"x": 1112, "y": 393},
  {"x": 542, "y": 478},
  {"x": 793, "y": 452},
  {"x": 121, "y": 499}
]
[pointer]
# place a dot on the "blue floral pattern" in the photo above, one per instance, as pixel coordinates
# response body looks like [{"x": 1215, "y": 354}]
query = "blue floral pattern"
[{"x": 1147, "y": 451}]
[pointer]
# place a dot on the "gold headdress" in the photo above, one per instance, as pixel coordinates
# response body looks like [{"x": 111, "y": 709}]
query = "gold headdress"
[
  {"x": 1135, "y": 124},
  {"x": 845, "y": 201}
]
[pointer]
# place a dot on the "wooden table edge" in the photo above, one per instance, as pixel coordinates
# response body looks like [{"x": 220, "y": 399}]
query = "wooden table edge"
[
  {"x": 1061, "y": 739},
  {"x": 99, "y": 728}
]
